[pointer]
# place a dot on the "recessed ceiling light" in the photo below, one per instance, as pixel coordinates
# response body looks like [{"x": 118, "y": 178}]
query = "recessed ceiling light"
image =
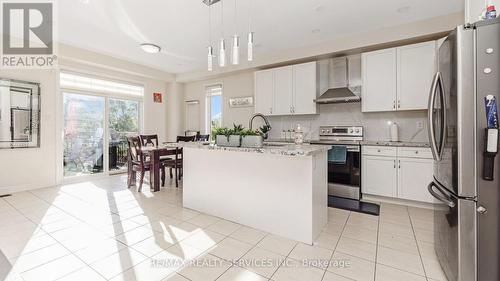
[
  {"x": 404, "y": 9},
  {"x": 150, "y": 48},
  {"x": 315, "y": 31}
]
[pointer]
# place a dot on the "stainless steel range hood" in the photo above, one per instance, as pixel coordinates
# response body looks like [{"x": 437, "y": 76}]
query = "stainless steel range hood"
[{"x": 338, "y": 88}]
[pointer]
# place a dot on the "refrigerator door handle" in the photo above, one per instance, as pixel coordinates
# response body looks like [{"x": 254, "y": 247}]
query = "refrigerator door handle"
[
  {"x": 430, "y": 115},
  {"x": 445, "y": 116},
  {"x": 441, "y": 196}
]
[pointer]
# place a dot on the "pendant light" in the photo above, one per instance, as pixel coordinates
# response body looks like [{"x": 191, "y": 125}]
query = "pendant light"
[
  {"x": 222, "y": 42},
  {"x": 250, "y": 34},
  {"x": 236, "y": 41},
  {"x": 210, "y": 58},
  {"x": 250, "y": 46}
]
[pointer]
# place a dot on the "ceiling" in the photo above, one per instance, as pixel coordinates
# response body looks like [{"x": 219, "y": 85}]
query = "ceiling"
[{"x": 180, "y": 27}]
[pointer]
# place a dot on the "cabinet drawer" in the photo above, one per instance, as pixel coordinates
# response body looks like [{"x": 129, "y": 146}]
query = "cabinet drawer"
[
  {"x": 415, "y": 152},
  {"x": 379, "y": 151}
]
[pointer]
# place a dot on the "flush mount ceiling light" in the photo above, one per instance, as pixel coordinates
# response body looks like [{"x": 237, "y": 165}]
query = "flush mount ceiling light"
[{"x": 150, "y": 48}]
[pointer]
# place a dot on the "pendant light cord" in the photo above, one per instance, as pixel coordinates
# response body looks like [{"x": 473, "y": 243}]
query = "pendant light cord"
[
  {"x": 235, "y": 27},
  {"x": 209, "y": 26},
  {"x": 250, "y": 16},
  {"x": 222, "y": 17}
]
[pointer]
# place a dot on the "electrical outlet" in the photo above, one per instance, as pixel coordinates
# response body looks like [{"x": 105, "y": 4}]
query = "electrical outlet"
[{"x": 420, "y": 124}]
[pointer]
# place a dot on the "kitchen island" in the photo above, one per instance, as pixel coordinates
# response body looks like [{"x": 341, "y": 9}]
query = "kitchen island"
[{"x": 281, "y": 189}]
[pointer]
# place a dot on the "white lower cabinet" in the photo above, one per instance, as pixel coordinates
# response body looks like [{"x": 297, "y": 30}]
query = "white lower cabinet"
[
  {"x": 379, "y": 175},
  {"x": 414, "y": 175},
  {"x": 402, "y": 172}
]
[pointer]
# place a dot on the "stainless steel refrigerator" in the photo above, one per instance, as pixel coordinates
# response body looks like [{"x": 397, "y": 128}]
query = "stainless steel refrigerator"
[{"x": 466, "y": 173}]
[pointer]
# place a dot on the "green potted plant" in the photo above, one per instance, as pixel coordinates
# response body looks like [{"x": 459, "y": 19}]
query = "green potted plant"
[
  {"x": 264, "y": 130},
  {"x": 228, "y": 137},
  {"x": 250, "y": 138}
]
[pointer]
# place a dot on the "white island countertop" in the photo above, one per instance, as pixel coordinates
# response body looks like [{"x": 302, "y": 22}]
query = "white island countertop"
[
  {"x": 278, "y": 149},
  {"x": 280, "y": 189}
]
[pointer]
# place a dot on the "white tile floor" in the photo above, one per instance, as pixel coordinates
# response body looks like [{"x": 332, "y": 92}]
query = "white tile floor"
[{"x": 101, "y": 230}]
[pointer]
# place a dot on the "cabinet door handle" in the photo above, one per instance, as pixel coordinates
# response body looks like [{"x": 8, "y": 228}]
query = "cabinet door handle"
[
  {"x": 399, "y": 164},
  {"x": 399, "y": 104},
  {"x": 394, "y": 104},
  {"x": 271, "y": 110},
  {"x": 394, "y": 164}
]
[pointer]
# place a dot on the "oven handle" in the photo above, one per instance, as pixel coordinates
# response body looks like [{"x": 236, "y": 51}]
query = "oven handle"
[{"x": 350, "y": 148}]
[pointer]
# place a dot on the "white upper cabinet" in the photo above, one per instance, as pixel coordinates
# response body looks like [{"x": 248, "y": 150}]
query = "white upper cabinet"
[
  {"x": 416, "y": 68},
  {"x": 378, "y": 71},
  {"x": 398, "y": 78},
  {"x": 304, "y": 88},
  {"x": 283, "y": 87},
  {"x": 264, "y": 92},
  {"x": 286, "y": 90}
]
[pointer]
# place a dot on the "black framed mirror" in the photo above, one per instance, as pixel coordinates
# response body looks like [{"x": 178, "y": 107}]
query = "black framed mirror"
[{"x": 19, "y": 114}]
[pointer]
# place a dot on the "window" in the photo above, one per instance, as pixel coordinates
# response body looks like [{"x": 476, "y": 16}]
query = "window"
[
  {"x": 92, "y": 84},
  {"x": 214, "y": 107}
]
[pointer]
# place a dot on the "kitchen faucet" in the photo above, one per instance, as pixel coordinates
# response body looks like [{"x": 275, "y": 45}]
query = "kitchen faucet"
[{"x": 261, "y": 116}]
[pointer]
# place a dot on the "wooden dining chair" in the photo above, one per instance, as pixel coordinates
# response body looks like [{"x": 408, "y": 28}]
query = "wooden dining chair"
[
  {"x": 139, "y": 162},
  {"x": 202, "y": 137},
  {"x": 186, "y": 138},
  {"x": 149, "y": 140},
  {"x": 176, "y": 165}
]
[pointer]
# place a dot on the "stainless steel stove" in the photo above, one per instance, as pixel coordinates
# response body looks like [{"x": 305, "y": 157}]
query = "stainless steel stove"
[{"x": 344, "y": 159}]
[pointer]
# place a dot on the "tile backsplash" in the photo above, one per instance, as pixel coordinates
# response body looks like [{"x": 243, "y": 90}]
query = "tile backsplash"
[{"x": 375, "y": 125}]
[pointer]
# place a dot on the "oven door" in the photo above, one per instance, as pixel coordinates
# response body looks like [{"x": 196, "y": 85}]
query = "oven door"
[{"x": 344, "y": 174}]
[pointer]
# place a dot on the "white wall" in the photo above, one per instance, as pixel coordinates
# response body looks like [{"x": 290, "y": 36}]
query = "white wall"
[
  {"x": 375, "y": 124},
  {"x": 237, "y": 85},
  {"x": 30, "y": 168},
  {"x": 174, "y": 99},
  {"x": 474, "y": 9}
]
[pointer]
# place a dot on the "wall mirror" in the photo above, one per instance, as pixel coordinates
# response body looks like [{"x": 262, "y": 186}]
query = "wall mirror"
[{"x": 19, "y": 114}]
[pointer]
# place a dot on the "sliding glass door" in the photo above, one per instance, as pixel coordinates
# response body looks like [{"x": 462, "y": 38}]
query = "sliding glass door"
[
  {"x": 83, "y": 134},
  {"x": 123, "y": 122},
  {"x": 87, "y": 120}
]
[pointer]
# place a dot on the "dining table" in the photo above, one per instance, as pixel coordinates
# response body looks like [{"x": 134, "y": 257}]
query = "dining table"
[{"x": 154, "y": 153}]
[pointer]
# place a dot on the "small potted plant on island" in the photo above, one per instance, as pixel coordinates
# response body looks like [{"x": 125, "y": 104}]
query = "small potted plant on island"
[
  {"x": 250, "y": 138},
  {"x": 228, "y": 137},
  {"x": 238, "y": 136},
  {"x": 264, "y": 130}
]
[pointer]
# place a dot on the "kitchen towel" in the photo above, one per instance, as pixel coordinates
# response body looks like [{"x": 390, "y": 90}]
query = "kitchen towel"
[{"x": 337, "y": 155}]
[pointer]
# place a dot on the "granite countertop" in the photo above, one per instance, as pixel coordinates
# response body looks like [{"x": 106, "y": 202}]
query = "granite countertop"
[
  {"x": 366, "y": 142},
  {"x": 281, "y": 149},
  {"x": 396, "y": 143}
]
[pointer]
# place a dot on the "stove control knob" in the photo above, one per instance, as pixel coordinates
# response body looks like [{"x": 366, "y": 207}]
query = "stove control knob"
[
  {"x": 322, "y": 131},
  {"x": 357, "y": 131},
  {"x": 350, "y": 131}
]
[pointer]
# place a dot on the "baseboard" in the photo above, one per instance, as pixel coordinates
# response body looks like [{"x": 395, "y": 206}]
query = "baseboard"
[
  {"x": 15, "y": 189},
  {"x": 397, "y": 201}
]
